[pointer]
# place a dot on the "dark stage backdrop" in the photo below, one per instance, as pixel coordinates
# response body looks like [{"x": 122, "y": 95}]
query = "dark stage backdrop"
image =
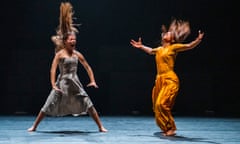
[{"x": 208, "y": 74}]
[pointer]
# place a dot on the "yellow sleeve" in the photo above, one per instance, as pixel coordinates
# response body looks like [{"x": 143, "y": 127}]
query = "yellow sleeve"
[
  {"x": 178, "y": 47},
  {"x": 154, "y": 50}
]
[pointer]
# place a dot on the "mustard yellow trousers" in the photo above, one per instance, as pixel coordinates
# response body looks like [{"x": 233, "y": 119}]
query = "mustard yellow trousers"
[{"x": 163, "y": 97}]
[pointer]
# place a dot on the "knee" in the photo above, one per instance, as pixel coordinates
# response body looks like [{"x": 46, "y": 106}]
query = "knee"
[
  {"x": 161, "y": 106},
  {"x": 92, "y": 110}
]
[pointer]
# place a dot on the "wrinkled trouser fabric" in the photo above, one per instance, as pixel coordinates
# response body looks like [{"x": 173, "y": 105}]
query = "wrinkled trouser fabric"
[{"x": 163, "y": 98}]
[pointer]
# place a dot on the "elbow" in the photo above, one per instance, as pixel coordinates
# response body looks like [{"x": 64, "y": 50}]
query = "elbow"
[{"x": 52, "y": 71}]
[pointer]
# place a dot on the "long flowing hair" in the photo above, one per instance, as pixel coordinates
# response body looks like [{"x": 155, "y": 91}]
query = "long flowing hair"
[
  {"x": 65, "y": 26},
  {"x": 179, "y": 28}
]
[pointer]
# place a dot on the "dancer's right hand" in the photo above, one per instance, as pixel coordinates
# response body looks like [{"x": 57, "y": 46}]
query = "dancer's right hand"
[{"x": 137, "y": 44}]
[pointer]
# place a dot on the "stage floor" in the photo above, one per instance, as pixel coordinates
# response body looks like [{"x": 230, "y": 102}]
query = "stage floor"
[{"x": 122, "y": 130}]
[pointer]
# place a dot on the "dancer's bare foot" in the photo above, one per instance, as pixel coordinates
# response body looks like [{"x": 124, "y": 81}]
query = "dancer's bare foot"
[
  {"x": 31, "y": 129},
  {"x": 170, "y": 133},
  {"x": 102, "y": 129}
]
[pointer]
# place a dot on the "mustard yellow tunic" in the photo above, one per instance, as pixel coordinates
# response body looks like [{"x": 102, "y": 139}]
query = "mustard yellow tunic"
[{"x": 166, "y": 86}]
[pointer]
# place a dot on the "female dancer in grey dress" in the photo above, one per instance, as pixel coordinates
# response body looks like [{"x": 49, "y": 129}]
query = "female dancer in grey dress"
[{"x": 68, "y": 95}]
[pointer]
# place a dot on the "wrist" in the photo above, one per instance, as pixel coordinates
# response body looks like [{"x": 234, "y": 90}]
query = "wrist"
[
  {"x": 199, "y": 39},
  {"x": 143, "y": 46},
  {"x": 92, "y": 81}
]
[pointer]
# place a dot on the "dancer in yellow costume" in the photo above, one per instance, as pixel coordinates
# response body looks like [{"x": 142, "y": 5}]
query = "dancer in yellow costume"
[{"x": 167, "y": 83}]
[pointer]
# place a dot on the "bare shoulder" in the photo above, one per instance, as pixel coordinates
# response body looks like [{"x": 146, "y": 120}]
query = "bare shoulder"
[
  {"x": 77, "y": 53},
  {"x": 59, "y": 53}
]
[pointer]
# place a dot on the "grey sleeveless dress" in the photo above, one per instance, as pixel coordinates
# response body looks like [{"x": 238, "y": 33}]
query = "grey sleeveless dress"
[{"x": 73, "y": 99}]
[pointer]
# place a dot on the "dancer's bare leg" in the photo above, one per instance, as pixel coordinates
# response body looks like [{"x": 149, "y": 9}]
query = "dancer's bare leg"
[
  {"x": 40, "y": 116},
  {"x": 93, "y": 113}
]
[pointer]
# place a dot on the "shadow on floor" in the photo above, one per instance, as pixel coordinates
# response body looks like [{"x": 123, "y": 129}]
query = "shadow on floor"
[
  {"x": 182, "y": 138},
  {"x": 68, "y": 132}
]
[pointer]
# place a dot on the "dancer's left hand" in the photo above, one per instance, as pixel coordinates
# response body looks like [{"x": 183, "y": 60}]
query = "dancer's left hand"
[{"x": 92, "y": 84}]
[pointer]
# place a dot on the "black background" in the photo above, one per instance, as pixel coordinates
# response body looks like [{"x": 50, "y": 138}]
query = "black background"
[{"x": 209, "y": 78}]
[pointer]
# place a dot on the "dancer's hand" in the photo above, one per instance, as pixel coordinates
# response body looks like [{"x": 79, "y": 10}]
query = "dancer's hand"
[
  {"x": 57, "y": 89},
  {"x": 137, "y": 44},
  {"x": 92, "y": 84},
  {"x": 200, "y": 35}
]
